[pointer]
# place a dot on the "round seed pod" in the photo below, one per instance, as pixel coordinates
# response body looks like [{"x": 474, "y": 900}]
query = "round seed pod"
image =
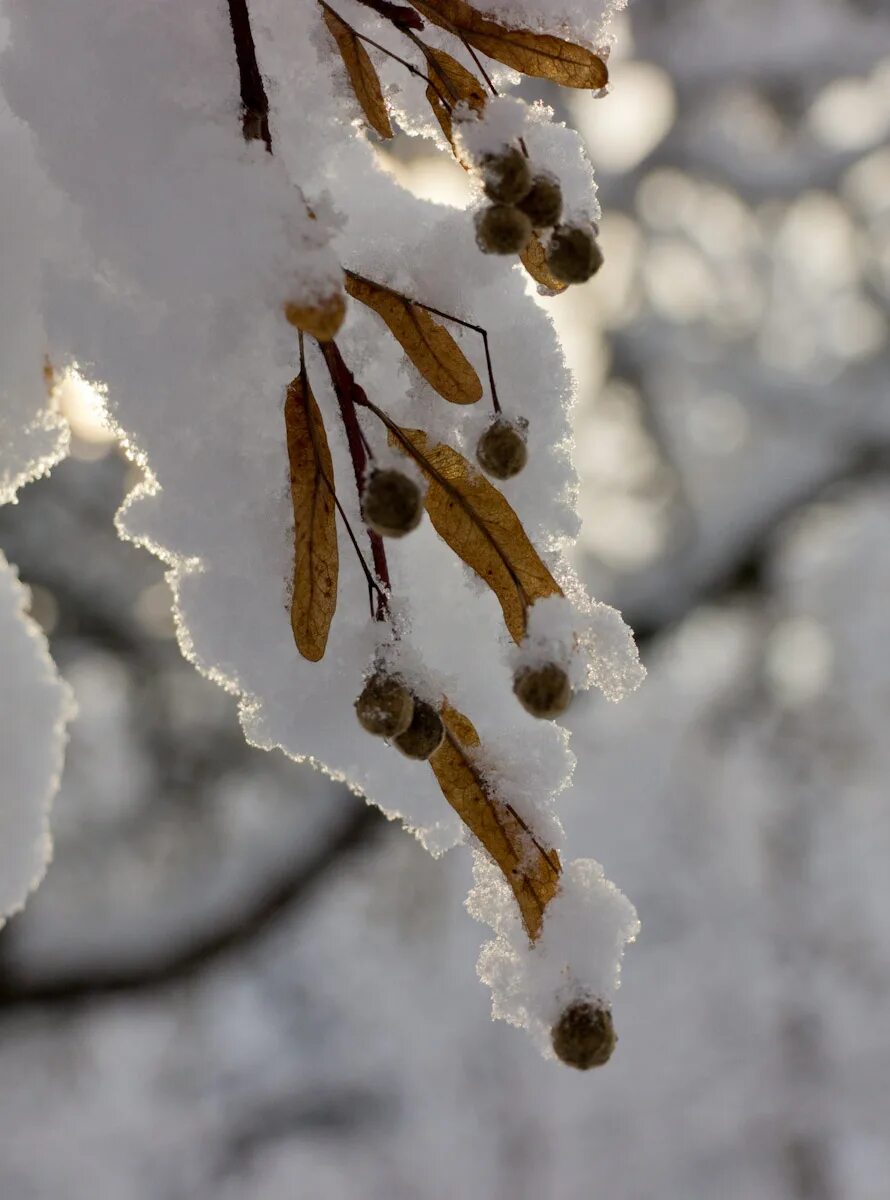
[
  {"x": 502, "y": 229},
  {"x": 543, "y": 204},
  {"x": 392, "y": 504},
  {"x": 424, "y": 735},
  {"x": 543, "y": 691},
  {"x": 584, "y": 1036},
  {"x": 573, "y": 254},
  {"x": 506, "y": 177},
  {"x": 385, "y": 706},
  {"x": 501, "y": 451}
]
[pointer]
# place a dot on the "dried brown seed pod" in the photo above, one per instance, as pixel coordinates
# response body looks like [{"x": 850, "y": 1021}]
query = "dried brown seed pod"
[
  {"x": 506, "y": 177},
  {"x": 385, "y": 706},
  {"x": 573, "y": 254},
  {"x": 543, "y": 691},
  {"x": 424, "y": 735},
  {"x": 392, "y": 503},
  {"x": 543, "y": 203},
  {"x": 584, "y": 1036},
  {"x": 502, "y": 229},
  {"x": 501, "y": 451}
]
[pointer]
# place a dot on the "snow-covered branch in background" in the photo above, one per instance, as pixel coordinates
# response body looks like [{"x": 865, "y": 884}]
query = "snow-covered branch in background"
[
  {"x": 295, "y": 421},
  {"x": 35, "y": 706}
]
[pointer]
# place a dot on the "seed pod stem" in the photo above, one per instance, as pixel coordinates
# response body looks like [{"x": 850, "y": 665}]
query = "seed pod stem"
[
  {"x": 374, "y": 587},
  {"x": 349, "y": 393}
]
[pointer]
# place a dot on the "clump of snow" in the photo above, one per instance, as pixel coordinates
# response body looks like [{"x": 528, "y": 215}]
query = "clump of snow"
[
  {"x": 189, "y": 243},
  {"x": 586, "y": 927},
  {"x": 35, "y": 706},
  {"x": 588, "y": 639},
  {"x": 502, "y": 122},
  {"x": 552, "y": 147}
]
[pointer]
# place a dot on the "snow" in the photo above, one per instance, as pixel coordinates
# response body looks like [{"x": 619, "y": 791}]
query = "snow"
[
  {"x": 739, "y": 797},
  {"x": 586, "y": 928},
  {"x": 589, "y": 639},
  {"x": 186, "y": 248},
  {"x": 35, "y": 706}
]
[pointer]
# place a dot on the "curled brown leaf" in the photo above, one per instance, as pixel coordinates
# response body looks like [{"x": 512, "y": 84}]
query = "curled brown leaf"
[
  {"x": 428, "y": 344},
  {"x": 316, "y": 555},
  {"x": 451, "y": 82},
  {"x": 538, "y": 54},
  {"x": 362, "y": 75},
  {"x": 531, "y": 869},
  {"x": 534, "y": 259}
]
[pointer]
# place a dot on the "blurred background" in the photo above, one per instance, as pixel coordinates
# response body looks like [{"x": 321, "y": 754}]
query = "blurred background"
[{"x": 240, "y": 982}]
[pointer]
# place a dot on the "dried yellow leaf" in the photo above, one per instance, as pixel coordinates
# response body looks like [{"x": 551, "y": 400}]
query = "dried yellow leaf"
[
  {"x": 323, "y": 320},
  {"x": 428, "y": 344},
  {"x": 316, "y": 556},
  {"x": 442, "y": 115},
  {"x": 362, "y": 75},
  {"x": 453, "y": 83},
  {"x": 531, "y": 869},
  {"x": 534, "y": 259},
  {"x": 479, "y": 525},
  {"x": 538, "y": 54}
]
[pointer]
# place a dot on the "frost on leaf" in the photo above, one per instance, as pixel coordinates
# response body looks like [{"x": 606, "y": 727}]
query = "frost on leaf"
[
  {"x": 530, "y": 868},
  {"x": 472, "y": 516},
  {"x": 451, "y": 84},
  {"x": 35, "y": 706},
  {"x": 428, "y": 344},
  {"x": 364, "y": 79},
  {"x": 537, "y": 54}
]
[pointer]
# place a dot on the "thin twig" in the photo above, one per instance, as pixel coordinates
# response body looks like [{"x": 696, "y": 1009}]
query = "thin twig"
[
  {"x": 425, "y": 465},
  {"x": 400, "y": 15},
  {"x": 373, "y": 585},
  {"x": 255, "y": 117},
  {"x": 475, "y": 57},
  {"x": 348, "y": 394}
]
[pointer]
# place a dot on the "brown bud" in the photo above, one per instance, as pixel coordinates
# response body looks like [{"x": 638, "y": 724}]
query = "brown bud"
[
  {"x": 543, "y": 204},
  {"x": 573, "y": 254},
  {"x": 321, "y": 320},
  {"x": 501, "y": 229},
  {"x": 584, "y": 1036},
  {"x": 424, "y": 735},
  {"x": 543, "y": 691},
  {"x": 501, "y": 451},
  {"x": 392, "y": 504},
  {"x": 385, "y": 706},
  {"x": 506, "y": 177}
]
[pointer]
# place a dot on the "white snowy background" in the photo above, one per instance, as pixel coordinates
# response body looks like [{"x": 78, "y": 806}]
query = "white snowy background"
[{"x": 238, "y": 981}]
